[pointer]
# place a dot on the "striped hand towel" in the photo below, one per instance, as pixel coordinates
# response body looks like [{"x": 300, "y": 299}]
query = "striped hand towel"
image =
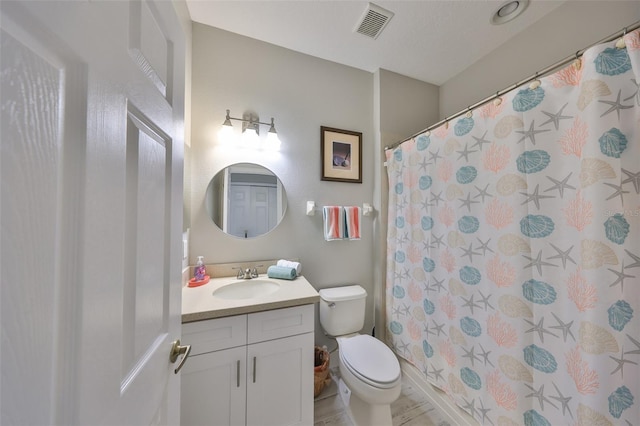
[
  {"x": 352, "y": 221},
  {"x": 333, "y": 222}
]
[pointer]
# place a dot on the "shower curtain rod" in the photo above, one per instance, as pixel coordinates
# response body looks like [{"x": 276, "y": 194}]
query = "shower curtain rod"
[{"x": 529, "y": 79}]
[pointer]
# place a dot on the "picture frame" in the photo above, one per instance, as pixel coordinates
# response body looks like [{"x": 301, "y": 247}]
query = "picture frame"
[{"x": 341, "y": 155}]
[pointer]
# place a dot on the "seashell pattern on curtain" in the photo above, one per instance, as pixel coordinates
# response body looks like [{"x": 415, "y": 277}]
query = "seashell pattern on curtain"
[{"x": 513, "y": 271}]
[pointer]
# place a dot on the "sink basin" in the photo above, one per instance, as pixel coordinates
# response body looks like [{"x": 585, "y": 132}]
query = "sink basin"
[{"x": 246, "y": 289}]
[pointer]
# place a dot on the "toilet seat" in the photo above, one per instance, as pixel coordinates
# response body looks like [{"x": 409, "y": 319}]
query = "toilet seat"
[{"x": 370, "y": 360}]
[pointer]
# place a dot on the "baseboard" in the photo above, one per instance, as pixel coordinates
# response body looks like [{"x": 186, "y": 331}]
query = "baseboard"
[{"x": 455, "y": 415}]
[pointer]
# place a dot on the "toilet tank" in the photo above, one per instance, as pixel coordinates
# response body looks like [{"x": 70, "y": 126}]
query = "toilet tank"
[{"x": 342, "y": 309}]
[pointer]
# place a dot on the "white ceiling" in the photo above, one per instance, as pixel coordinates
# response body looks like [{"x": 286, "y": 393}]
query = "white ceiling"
[{"x": 428, "y": 40}]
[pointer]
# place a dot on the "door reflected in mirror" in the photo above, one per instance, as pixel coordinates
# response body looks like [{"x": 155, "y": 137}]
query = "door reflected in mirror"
[{"x": 246, "y": 200}]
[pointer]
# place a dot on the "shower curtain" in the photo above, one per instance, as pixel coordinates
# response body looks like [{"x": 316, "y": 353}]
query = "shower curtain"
[{"x": 513, "y": 271}]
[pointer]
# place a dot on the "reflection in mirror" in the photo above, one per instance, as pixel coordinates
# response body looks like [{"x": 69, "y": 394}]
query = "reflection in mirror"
[{"x": 245, "y": 200}]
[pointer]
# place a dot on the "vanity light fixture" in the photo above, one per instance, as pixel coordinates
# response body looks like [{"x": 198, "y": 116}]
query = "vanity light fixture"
[{"x": 250, "y": 133}]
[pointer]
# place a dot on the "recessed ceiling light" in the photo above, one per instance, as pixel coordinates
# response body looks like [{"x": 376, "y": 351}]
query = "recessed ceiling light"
[{"x": 508, "y": 10}]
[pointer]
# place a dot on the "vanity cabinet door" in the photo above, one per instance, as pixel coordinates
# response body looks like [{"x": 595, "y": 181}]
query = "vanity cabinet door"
[
  {"x": 280, "y": 381},
  {"x": 213, "y": 390}
]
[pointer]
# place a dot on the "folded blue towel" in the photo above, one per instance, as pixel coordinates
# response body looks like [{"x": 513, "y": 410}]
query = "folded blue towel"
[{"x": 281, "y": 272}]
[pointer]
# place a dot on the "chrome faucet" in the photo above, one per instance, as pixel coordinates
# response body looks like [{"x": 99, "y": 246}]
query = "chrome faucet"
[{"x": 247, "y": 274}]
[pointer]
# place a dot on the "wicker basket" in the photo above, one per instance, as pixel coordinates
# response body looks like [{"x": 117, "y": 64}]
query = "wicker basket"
[{"x": 320, "y": 371}]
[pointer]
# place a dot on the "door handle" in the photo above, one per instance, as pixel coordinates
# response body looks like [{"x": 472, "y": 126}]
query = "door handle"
[{"x": 176, "y": 351}]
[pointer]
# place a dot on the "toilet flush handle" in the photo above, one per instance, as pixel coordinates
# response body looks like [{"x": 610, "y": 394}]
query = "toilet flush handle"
[{"x": 332, "y": 305}]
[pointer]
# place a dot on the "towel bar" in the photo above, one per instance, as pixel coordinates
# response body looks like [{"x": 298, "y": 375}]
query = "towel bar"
[{"x": 367, "y": 209}]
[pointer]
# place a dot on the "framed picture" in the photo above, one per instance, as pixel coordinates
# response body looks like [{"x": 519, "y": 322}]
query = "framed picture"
[{"x": 341, "y": 152}]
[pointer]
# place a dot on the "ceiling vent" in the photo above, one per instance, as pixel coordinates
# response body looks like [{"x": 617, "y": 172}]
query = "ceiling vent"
[{"x": 373, "y": 21}]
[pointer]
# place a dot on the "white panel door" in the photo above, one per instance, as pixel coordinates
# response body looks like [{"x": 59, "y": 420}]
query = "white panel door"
[
  {"x": 91, "y": 211},
  {"x": 253, "y": 210},
  {"x": 239, "y": 205}
]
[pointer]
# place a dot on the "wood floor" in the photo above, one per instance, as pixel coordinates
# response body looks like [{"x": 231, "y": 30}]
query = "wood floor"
[{"x": 411, "y": 409}]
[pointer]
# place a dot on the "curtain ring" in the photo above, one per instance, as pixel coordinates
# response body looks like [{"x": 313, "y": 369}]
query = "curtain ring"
[
  {"x": 577, "y": 63},
  {"x": 535, "y": 83},
  {"x": 620, "y": 44},
  {"x": 497, "y": 100}
]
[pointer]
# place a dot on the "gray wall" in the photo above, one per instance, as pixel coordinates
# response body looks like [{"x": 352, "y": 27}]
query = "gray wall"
[
  {"x": 571, "y": 27},
  {"x": 406, "y": 105},
  {"x": 302, "y": 93}
]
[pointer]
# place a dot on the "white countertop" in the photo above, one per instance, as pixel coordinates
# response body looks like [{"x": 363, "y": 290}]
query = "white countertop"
[{"x": 199, "y": 304}]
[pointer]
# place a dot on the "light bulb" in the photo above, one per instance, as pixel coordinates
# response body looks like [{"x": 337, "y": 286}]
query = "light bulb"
[
  {"x": 250, "y": 138},
  {"x": 273, "y": 142},
  {"x": 226, "y": 135}
]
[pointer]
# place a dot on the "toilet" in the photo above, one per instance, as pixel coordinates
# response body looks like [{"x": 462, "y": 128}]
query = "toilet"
[{"x": 369, "y": 370}]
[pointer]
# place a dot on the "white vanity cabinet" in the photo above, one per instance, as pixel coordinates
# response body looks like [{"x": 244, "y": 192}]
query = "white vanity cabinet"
[{"x": 252, "y": 369}]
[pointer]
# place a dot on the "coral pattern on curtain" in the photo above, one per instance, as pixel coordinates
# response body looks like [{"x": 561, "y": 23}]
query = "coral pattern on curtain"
[{"x": 513, "y": 272}]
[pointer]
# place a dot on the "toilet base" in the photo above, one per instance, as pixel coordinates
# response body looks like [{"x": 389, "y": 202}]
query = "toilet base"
[{"x": 362, "y": 413}]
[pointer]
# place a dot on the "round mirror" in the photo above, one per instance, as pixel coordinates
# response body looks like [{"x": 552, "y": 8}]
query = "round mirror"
[{"x": 246, "y": 200}]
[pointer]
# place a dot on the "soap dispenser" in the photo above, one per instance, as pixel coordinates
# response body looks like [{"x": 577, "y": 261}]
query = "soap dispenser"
[
  {"x": 200, "y": 276},
  {"x": 200, "y": 270}
]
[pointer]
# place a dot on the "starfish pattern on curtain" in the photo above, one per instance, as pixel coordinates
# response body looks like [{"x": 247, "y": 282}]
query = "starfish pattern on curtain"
[{"x": 513, "y": 271}]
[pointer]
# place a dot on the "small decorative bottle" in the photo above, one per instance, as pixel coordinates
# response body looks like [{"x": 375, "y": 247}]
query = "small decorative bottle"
[{"x": 200, "y": 270}]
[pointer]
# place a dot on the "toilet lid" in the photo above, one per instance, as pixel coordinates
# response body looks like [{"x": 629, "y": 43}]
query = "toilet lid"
[{"x": 370, "y": 359}]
